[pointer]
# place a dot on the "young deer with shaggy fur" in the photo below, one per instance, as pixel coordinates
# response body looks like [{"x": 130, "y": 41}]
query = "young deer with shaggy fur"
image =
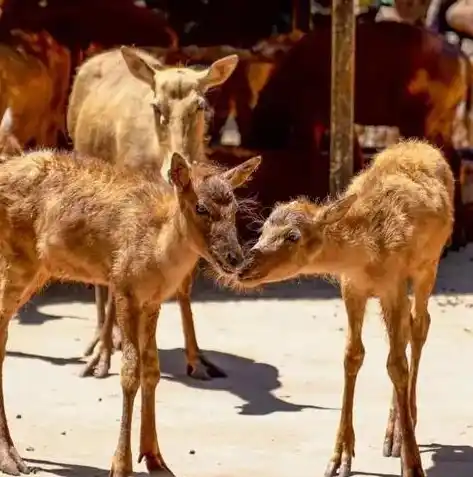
[
  {"x": 387, "y": 230},
  {"x": 129, "y": 110},
  {"x": 85, "y": 221}
]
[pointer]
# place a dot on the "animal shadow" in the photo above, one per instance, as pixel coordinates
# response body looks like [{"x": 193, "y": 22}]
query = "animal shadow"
[
  {"x": 61, "y": 469},
  {"x": 54, "y": 293},
  {"x": 449, "y": 460},
  {"x": 251, "y": 381}
]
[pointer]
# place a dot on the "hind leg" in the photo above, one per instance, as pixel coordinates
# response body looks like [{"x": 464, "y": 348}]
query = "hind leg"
[
  {"x": 98, "y": 364},
  {"x": 17, "y": 285},
  {"x": 100, "y": 297},
  {"x": 198, "y": 366}
]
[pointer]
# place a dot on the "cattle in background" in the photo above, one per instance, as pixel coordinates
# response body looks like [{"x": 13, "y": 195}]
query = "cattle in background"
[
  {"x": 34, "y": 80},
  {"x": 406, "y": 77}
]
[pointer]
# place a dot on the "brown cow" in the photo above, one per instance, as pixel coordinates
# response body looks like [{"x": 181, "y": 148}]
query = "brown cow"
[
  {"x": 406, "y": 77},
  {"x": 34, "y": 80},
  {"x": 127, "y": 109}
]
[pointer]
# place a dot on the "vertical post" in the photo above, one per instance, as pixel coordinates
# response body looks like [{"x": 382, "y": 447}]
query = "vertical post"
[{"x": 342, "y": 94}]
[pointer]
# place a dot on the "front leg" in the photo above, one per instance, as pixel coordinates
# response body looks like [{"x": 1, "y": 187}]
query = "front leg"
[
  {"x": 17, "y": 285},
  {"x": 150, "y": 376},
  {"x": 198, "y": 366},
  {"x": 128, "y": 321},
  {"x": 355, "y": 302}
]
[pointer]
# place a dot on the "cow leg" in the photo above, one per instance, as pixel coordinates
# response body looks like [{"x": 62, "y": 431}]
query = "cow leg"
[{"x": 198, "y": 366}]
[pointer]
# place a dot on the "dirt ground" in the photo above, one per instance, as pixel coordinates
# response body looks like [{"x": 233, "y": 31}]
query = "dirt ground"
[{"x": 277, "y": 412}]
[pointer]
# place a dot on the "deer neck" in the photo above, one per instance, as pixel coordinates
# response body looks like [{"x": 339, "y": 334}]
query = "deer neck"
[{"x": 345, "y": 251}]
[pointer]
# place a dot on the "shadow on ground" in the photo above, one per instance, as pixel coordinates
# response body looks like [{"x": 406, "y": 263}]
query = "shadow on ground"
[
  {"x": 62, "y": 469},
  {"x": 251, "y": 381},
  {"x": 455, "y": 461}
]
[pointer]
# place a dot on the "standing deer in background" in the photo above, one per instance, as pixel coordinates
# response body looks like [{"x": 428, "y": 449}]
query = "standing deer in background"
[
  {"x": 388, "y": 229},
  {"x": 85, "y": 221},
  {"x": 129, "y": 110}
]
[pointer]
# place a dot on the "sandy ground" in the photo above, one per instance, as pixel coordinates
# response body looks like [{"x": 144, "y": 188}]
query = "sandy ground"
[{"x": 277, "y": 412}]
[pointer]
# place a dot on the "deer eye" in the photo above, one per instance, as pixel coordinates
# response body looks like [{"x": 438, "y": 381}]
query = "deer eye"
[
  {"x": 200, "y": 209},
  {"x": 293, "y": 236}
]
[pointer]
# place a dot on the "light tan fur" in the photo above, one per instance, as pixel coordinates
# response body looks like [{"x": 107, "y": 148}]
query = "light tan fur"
[
  {"x": 84, "y": 221},
  {"x": 386, "y": 231},
  {"x": 129, "y": 110}
]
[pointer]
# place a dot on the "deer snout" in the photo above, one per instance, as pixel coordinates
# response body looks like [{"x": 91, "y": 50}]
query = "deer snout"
[
  {"x": 247, "y": 268},
  {"x": 234, "y": 259}
]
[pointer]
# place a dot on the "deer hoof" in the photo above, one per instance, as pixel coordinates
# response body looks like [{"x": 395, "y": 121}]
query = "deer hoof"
[
  {"x": 98, "y": 365},
  {"x": 413, "y": 472},
  {"x": 203, "y": 370},
  {"x": 10, "y": 461},
  {"x": 337, "y": 468},
  {"x": 392, "y": 447}
]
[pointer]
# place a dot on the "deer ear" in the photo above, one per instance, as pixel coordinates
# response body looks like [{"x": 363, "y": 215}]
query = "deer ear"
[
  {"x": 242, "y": 173},
  {"x": 218, "y": 72},
  {"x": 179, "y": 173},
  {"x": 337, "y": 209},
  {"x": 139, "y": 67}
]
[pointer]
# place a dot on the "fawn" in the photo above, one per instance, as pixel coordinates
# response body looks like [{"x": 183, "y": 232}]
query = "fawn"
[
  {"x": 128, "y": 109},
  {"x": 386, "y": 231},
  {"x": 82, "y": 220}
]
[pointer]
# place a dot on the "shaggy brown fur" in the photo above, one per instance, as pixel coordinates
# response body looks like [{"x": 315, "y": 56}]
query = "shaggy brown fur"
[
  {"x": 387, "y": 230},
  {"x": 85, "y": 221},
  {"x": 129, "y": 110}
]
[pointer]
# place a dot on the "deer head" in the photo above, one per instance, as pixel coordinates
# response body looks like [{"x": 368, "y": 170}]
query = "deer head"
[
  {"x": 293, "y": 241},
  {"x": 207, "y": 208},
  {"x": 178, "y": 98}
]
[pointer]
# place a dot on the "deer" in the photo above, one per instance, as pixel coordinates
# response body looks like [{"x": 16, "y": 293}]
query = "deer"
[
  {"x": 128, "y": 109},
  {"x": 85, "y": 221},
  {"x": 387, "y": 230}
]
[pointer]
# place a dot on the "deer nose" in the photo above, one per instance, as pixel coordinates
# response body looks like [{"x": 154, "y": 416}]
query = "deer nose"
[{"x": 234, "y": 259}]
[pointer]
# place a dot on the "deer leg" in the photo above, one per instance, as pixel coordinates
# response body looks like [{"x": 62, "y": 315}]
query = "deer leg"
[
  {"x": 198, "y": 366},
  {"x": 344, "y": 451},
  {"x": 16, "y": 288},
  {"x": 423, "y": 284},
  {"x": 127, "y": 317},
  {"x": 98, "y": 364},
  {"x": 397, "y": 317},
  {"x": 150, "y": 375},
  {"x": 392, "y": 438},
  {"x": 100, "y": 297}
]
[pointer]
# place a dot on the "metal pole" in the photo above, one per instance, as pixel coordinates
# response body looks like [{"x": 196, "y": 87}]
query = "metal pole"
[{"x": 342, "y": 94}]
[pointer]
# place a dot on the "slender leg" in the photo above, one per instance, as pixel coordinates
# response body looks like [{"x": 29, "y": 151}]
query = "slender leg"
[
  {"x": 354, "y": 354},
  {"x": 128, "y": 321},
  {"x": 100, "y": 298},
  {"x": 16, "y": 288},
  {"x": 98, "y": 364},
  {"x": 150, "y": 375},
  {"x": 423, "y": 284},
  {"x": 198, "y": 366},
  {"x": 397, "y": 317},
  {"x": 392, "y": 437}
]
